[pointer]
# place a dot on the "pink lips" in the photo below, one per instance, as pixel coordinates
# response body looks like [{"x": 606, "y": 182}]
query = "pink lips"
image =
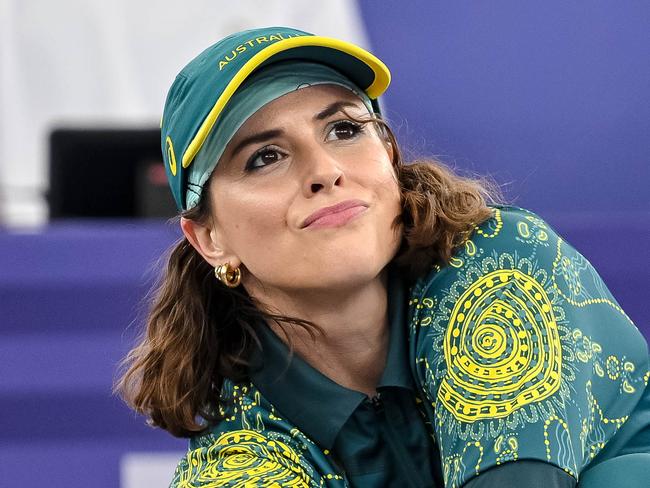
[{"x": 336, "y": 215}]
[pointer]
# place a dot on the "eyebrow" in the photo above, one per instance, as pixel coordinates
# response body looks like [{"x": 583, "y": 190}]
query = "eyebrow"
[{"x": 331, "y": 109}]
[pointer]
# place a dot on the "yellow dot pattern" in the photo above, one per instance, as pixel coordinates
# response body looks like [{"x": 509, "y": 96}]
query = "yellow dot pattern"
[
  {"x": 587, "y": 301},
  {"x": 497, "y": 228}
]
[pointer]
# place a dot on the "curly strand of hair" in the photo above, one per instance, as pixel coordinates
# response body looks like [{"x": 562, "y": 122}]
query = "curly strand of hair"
[{"x": 440, "y": 211}]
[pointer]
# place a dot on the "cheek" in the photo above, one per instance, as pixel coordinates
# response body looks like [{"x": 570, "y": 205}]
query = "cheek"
[
  {"x": 381, "y": 176},
  {"x": 377, "y": 174},
  {"x": 251, "y": 221},
  {"x": 390, "y": 193}
]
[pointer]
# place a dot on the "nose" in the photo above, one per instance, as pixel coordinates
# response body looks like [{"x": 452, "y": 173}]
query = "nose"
[{"x": 323, "y": 172}]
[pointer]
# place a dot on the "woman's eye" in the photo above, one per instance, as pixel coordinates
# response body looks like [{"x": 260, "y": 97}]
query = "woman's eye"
[
  {"x": 262, "y": 158},
  {"x": 344, "y": 130}
]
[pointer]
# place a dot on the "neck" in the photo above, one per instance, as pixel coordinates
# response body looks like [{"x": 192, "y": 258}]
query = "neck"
[{"x": 352, "y": 348}]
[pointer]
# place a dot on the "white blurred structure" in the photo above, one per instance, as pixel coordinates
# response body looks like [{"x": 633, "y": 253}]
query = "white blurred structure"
[
  {"x": 89, "y": 62},
  {"x": 151, "y": 470}
]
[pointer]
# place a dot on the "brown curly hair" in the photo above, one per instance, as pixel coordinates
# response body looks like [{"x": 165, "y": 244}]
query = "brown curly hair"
[{"x": 199, "y": 332}]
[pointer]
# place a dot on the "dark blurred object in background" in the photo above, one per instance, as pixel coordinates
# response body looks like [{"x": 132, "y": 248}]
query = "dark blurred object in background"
[{"x": 107, "y": 173}]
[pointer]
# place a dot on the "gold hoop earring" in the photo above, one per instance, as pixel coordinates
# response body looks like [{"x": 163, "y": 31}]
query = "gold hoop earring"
[{"x": 227, "y": 275}]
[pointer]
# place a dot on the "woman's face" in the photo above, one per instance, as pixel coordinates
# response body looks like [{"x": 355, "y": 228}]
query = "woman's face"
[{"x": 304, "y": 197}]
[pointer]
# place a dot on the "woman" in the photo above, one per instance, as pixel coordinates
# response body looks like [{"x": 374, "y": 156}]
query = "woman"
[{"x": 326, "y": 295}]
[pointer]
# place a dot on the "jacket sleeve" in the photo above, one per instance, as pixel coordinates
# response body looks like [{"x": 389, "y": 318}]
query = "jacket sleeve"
[{"x": 521, "y": 352}]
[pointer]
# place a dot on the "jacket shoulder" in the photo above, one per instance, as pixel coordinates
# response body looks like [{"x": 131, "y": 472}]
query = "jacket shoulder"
[
  {"x": 510, "y": 230},
  {"x": 253, "y": 445},
  {"x": 521, "y": 351}
]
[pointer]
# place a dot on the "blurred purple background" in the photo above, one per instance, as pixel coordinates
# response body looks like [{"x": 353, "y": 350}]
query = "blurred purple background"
[{"x": 551, "y": 99}]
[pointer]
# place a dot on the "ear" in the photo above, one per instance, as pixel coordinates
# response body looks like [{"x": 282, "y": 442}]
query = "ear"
[{"x": 208, "y": 242}]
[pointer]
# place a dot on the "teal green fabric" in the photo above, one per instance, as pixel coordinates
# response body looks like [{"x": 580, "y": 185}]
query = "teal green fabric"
[
  {"x": 379, "y": 442},
  {"x": 527, "y": 355},
  {"x": 255, "y": 445},
  {"x": 262, "y": 87},
  {"x": 200, "y": 84},
  {"x": 518, "y": 352},
  {"x": 334, "y": 436},
  {"x": 523, "y": 474},
  {"x": 628, "y": 470}
]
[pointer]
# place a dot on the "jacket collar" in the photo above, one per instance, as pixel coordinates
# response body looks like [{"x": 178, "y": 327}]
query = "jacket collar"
[{"x": 318, "y": 406}]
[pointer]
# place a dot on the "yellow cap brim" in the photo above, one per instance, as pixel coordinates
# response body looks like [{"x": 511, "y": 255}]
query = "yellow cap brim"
[{"x": 374, "y": 89}]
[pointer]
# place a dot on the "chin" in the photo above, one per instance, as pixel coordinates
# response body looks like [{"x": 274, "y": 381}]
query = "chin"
[
  {"x": 341, "y": 260},
  {"x": 349, "y": 266}
]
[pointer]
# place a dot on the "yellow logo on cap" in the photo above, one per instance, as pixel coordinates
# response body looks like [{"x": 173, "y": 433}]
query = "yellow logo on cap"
[
  {"x": 171, "y": 157},
  {"x": 252, "y": 43}
]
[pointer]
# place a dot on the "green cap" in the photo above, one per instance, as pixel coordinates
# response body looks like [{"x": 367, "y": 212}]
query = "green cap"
[{"x": 201, "y": 92}]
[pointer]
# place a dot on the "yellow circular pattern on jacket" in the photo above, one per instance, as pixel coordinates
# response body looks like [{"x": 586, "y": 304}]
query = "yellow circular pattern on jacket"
[
  {"x": 502, "y": 348},
  {"x": 245, "y": 458}
]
